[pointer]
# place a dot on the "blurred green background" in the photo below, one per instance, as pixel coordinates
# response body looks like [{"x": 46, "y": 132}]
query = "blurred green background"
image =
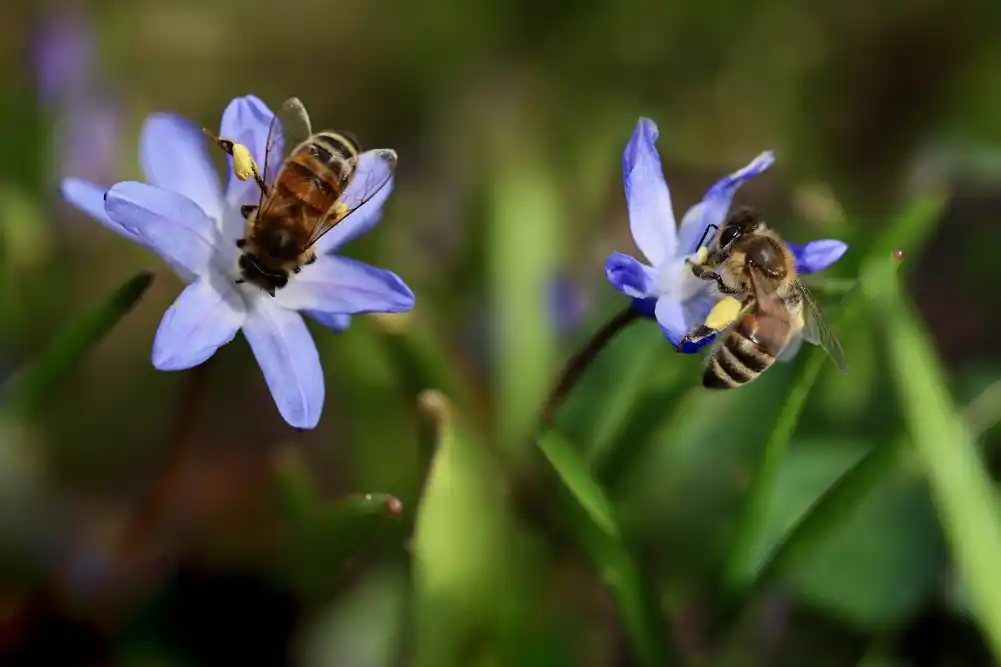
[{"x": 174, "y": 519}]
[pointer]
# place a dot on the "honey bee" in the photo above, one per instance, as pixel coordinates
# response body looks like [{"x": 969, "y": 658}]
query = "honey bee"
[
  {"x": 749, "y": 261},
  {"x": 310, "y": 184}
]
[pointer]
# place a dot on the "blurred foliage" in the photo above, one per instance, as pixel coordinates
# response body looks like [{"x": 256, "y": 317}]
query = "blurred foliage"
[{"x": 855, "y": 513}]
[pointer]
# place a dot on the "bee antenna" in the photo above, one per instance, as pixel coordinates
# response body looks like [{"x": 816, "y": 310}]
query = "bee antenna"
[{"x": 705, "y": 234}]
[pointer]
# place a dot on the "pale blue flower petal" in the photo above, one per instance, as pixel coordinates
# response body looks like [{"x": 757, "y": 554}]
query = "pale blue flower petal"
[
  {"x": 629, "y": 275},
  {"x": 89, "y": 198},
  {"x": 651, "y": 217},
  {"x": 340, "y": 285},
  {"x": 246, "y": 120},
  {"x": 817, "y": 255},
  {"x": 173, "y": 155},
  {"x": 670, "y": 314},
  {"x": 336, "y": 322},
  {"x": 677, "y": 318},
  {"x": 371, "y": 169},
  {"x": 203, "y": 318},
  {"x": 288, "y": 358},
  {"x": 696, "y": 310},
  {"x": 713, "y": 208},
  {"x": 171, "y": 224}
]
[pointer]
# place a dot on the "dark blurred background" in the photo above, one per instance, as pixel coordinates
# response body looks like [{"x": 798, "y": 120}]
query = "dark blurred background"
[{"x": 510, "y": 118}]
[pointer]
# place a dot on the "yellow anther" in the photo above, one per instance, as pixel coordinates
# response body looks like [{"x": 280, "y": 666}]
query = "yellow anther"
[
  {"x": 702, "y": 255},
  {"x": 243, "y": 162},
  {"x": 340, "y": 210},
  {"x": 723, "y": 313}
]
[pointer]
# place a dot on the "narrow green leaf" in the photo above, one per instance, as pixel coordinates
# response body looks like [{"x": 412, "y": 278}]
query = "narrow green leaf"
[
  {"x": 297, "y": 492},
  {"x": 25, "y": 392},
  {"x": 909, "y": 230},
  {"x": 960, "y": 486},
  {"x": 523, "y": 243},
  {"x": 597, "y": 529},
  {"x": 831, "y": 510},
  {"x": 421, "y": 361},
  {"x": 573, "y": 470},
  {"x": 324, "y": 540},
  {"x": 464, "y": 556}
]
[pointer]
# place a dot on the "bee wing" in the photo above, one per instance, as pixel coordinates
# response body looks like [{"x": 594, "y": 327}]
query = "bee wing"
[
  {"x": 289, "y": 127},
  {"x": 792, "y": 349},
  {"x": 816, "y": 331},
  {"x": 362, "y": 187},
  {"x": 767, "y": 299}
]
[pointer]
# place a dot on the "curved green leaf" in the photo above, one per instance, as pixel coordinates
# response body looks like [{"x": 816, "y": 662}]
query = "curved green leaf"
[
  {"x": 25, "y": 392},
  {"x": 326, "y": 537},
  {"x": 596, "y": 527},
  {"x": 960, "y": 486}
]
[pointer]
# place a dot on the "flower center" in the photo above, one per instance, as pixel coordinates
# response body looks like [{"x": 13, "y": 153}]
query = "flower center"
[{"x": 675, "y": 279}]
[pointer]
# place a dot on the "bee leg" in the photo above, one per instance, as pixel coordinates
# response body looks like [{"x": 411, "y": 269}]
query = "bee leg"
[
  {"x": 240, "y": 243},
  {"x": 247, "y": 209},
  {"x": 239, "y": 280},
  {"x": 720, "y": 285},
  {"x": 297, "y": 269},
  {"x": 697, "y": 334},
  {"x": 312, "y": 258}
]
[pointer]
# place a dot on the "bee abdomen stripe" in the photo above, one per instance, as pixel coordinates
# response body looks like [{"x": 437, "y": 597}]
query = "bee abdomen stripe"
[
  {"x": 747, "y": 353},
  {"x": 716, "y": 377},
  {"x": 336, "y": 144},
  {"x": 729, "y": 362},
  {"x": 314, "y": 180}
]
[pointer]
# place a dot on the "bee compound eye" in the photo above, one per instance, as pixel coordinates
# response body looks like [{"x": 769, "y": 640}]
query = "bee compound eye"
[{"x": 728, "y": 234}]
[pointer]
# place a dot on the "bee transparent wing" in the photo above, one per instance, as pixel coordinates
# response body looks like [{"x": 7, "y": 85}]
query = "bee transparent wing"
[
  {"x": 816, "y": 331},
  {"x": 289, "y": 128},
  {"x": 365, "y": 184},
  {"x": 792, "y": 349}
]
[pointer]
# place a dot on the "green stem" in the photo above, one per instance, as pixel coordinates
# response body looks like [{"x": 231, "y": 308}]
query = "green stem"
[{"x": 580, "y": 362}]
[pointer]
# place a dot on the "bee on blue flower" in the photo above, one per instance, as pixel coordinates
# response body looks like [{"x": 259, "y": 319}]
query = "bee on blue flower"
[
  {"x": 185, "y": 216},
  {"x": 666, "y": 289}
]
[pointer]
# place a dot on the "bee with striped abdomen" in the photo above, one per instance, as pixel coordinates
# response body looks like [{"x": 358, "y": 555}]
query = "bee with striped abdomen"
[
  {"x": 308, "y": 186},
  {"x": 750, "y": 262}
]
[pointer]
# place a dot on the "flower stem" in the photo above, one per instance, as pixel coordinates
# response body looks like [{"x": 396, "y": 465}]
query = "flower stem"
[
  {"x": 580, "y": 362},
  {"x": 145, "y": 524}
]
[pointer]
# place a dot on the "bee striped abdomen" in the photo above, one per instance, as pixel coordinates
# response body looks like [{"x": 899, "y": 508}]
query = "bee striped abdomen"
[
  {"x": 318, "y": 171},
  {"x": 741, "y": 356}
]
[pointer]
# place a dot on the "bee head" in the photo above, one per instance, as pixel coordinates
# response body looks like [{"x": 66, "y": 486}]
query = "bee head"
[
  {"x": 256, "y": 274},
  {"x": 742, "y": 222}
]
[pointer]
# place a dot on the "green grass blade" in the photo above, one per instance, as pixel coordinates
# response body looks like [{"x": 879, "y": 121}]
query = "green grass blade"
[
  {"x": 961, "y": 488},
  {"x": 328, "y": 536},
  {"x": 596, "y": 527},
  {"x": 464, "y": 559},
  {"x": 909, "y": 230},
  {"x": 523, "y": 245},
  {"x": 25, "y": 392}
]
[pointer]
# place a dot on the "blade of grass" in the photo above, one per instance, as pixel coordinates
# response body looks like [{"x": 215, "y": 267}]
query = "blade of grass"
[
  {"x": 325, "y": 539},
  {"x": 913, "y": 227},
  {"x": 523, "y": 245},
  {"x": 25, "y": 392},
  {"x": 596, "y": 527},
  {"x": 464, "y": 564},
  {"x": 961, "y": 488}
]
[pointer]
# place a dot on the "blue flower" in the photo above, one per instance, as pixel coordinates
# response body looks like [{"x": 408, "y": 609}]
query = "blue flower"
[
  {"x": 86, "y": 117},
  {"x": 186, "y": 217},
  {"x": 666, "y": 289}
]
